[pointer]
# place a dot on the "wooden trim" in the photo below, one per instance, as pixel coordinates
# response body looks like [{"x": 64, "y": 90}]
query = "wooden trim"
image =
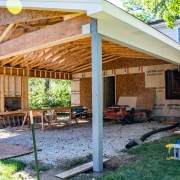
[
  {"x": 26, "y": 73},
  {"x": 22, "y": 92},
  {"x": 6, "y": 86},
  {"x": 2, "y": 93},
  {"x": 27, "y": 91}
]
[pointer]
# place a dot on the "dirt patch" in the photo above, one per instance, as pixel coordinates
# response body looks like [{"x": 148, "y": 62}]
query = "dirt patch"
[
  {"x": 115, "y": 163},
  {"x": 109, "y": 167}
]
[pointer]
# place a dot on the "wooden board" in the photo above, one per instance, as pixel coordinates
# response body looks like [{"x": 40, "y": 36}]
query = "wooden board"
[
  {"x": 11, "y": 150},
  {"x": 46, "y": 35},
  {"x": 77, "y": 170},
  {"x": 176, "y": 132},
  {"x": 146, "y": 99}
]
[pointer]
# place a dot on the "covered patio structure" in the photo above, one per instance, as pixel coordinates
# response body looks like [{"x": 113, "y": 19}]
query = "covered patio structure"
[{"x": 58, "y": 39}]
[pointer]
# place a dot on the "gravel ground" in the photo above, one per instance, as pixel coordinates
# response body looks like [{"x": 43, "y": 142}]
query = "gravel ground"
[{"x": 63, "y": 143}]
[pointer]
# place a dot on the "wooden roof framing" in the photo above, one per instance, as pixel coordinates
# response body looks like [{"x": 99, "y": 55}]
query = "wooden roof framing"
[
  {"x": 13, "y": 26},
  {"x": 60, "y": 47},
  {"x": 70, "y": 57}
]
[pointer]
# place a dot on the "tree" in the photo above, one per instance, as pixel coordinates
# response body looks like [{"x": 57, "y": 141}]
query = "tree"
[
  {"x": 58, "y": 93},
  {"x": 149, "y": 10}
]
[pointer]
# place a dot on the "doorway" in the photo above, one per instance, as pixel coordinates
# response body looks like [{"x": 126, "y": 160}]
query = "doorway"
[{"x": 108, "y": 91}]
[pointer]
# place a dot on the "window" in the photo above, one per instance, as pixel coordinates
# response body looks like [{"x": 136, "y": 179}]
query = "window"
[
  {"x": 178, "y": 34},
  {"x": 172, "y": 80}
]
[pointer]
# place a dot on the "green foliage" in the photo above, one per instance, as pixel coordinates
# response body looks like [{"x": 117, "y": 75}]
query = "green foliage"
[
  {"x": 150, "y": 10},
  {"x": 75, "y": 161},
  {"x": 137, "y": 9},
  {"x": 152, "y": 164},
  {"x": 9, "y": 167},
  {"x": 58, "y": 95}
]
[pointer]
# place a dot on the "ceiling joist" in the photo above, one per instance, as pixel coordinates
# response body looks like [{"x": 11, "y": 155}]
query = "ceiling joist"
[{"x": 9, "y": 30}]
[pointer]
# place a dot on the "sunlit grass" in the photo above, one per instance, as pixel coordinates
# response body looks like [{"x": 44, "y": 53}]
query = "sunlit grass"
[
  {"x": 9, "y": 167},
  {"x": 152, "y": 165}
]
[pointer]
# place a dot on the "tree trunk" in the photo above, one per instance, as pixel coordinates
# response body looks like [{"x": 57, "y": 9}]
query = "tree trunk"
[{"x": 47, "y": 85}]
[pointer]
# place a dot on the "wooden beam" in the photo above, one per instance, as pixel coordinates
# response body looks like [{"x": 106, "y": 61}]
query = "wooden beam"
[
  {"x": 47, "y": 62},
  {"x": 77, "y": 170},
  {"x": 9, "y": 30},
  {"x": 21, "y": 60},
  {"x": 55, "y": 52},
  {"x": 48, "y": 45},
  {"x": 28, "y": 15},
  {"x": 70, "y": 16},
  {"x": 2, "y": 93},
  {"x": 40, "y": 58},
  {"x": 61, "y": 66},
  {"x": 72, "y": 58},
  {"x": 46, "y": 35},
  {"x": 31, "y": 58},
  {"x": 75, "y": 62},
  {"x": 64, "y": 54},
  {"x": 20, "y": 72},
  {"x": 6, "y": 61},
  {"x": 105, "y": 57}
]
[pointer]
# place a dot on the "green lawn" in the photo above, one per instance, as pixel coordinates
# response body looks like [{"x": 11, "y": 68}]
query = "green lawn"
[
  {"x": 152, "y": 165},
  {"x": 9, "y": 167}
]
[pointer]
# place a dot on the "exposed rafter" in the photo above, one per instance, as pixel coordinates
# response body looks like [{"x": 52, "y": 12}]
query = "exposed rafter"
[
  {"x": 73, "y": 55},
  {"x": 7, "y": 33}
]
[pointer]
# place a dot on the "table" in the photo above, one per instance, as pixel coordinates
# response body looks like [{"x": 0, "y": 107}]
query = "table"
[
  {"x": 37, "y": 112},
  {"x": 13, "y": 114},
  {"x": 57, "y": 110}
]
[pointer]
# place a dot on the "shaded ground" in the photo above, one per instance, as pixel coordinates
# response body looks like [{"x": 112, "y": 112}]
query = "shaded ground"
[{"x": 64, "y": 147}]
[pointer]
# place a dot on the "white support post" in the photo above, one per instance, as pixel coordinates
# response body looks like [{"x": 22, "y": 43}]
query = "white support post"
[{"x": 97, "y": 98}]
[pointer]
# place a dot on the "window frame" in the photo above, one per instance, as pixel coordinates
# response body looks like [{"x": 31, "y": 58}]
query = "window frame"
[
  {"x": 171, "y": 86},
  {"x": 178, "y": 34}
]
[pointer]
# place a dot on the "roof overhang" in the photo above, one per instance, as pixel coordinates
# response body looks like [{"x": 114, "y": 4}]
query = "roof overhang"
[
  {"x": 89, "y": 6},
  {"x": 120, "y": 27}
]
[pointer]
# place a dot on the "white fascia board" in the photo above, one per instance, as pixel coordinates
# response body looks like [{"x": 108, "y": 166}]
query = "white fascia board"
[
  {"x": 89, "y": 6},
  {"x": 123, "y": 37},
  {"x": 134, "y": 22}
]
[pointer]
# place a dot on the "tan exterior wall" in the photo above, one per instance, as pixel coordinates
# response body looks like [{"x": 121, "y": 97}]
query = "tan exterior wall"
[
  {"x": 129, "y": 85},
  {"x": 86, "y": 92},
  {"x": 126, "y": 85}
]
